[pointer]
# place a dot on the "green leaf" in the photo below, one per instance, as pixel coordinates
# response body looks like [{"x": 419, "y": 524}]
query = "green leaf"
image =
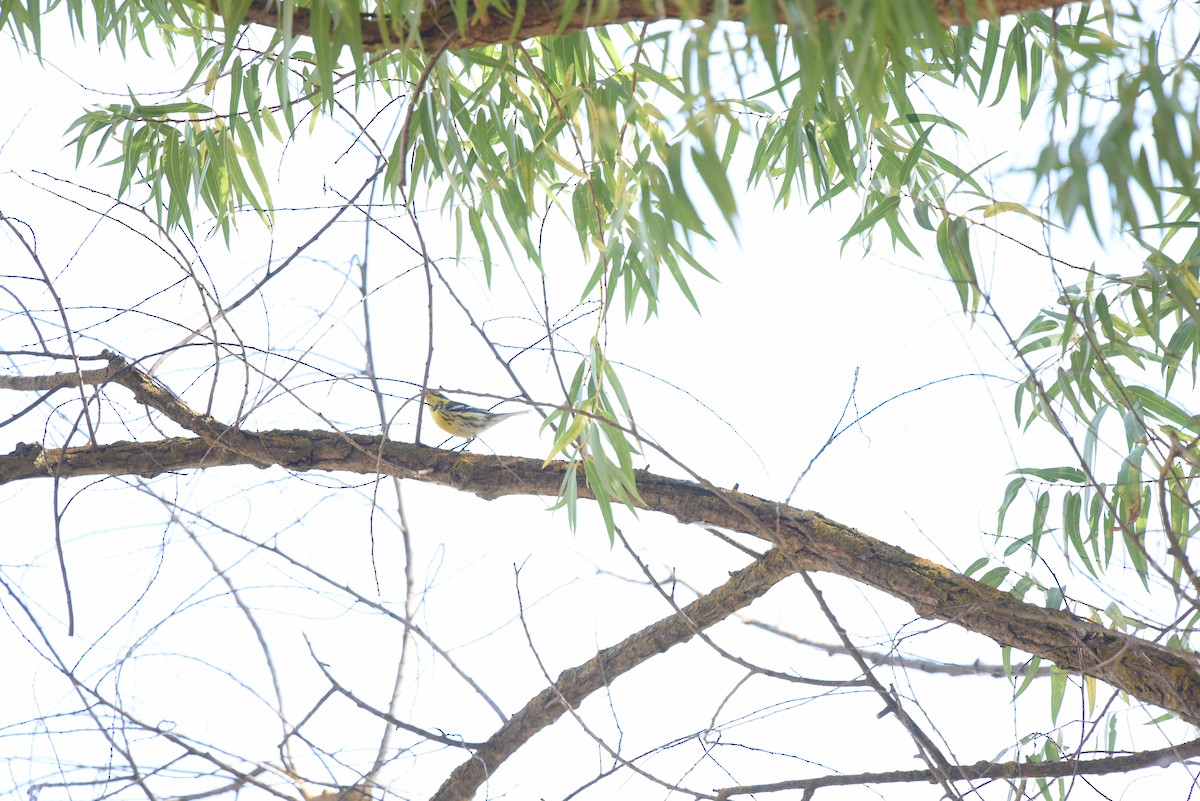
[
  {"x": 1072, "y": 533},
  {"x": 913, "y": 156},
  {"x": 868, "y": 220},
  {"x": 597, "y": 480},
  {"x": 566, "y": 435},
  {"x": 1031, "y": 672},
  {"x": 1058, "y": 689},
  {"x": 995, "y": 577},
  {"x": 161, "y": 110},
  {"x": 921, "y": 211},
  {"x": 1129, "y": 486},
  {"x": 235, "y": 86},
  {"x": 955, "y": 249},
  {"x": 976, "y": 566},
  {"x": 1161, "y": 407},
  {"x": 716, "y": 180},
  {"x": 1019, "y": 544},
  {"x": 1010, "y": 495},
  {"x": 1052, "y": 474},
  {"x": 1041, "y": 509},
  {"x": 991, "y": 48}
]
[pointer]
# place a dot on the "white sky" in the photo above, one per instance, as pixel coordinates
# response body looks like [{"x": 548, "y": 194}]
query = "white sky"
[{"x": 772, "y": 355}]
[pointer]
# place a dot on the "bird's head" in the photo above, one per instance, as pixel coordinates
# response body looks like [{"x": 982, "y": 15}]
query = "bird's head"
[{"x": 435, "y": 398}]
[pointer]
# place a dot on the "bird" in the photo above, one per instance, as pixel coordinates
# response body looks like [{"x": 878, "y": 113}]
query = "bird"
[{"x": 460, "y": 419}]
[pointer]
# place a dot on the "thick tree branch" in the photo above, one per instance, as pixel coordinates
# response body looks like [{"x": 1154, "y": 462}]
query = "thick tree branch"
[
  {"x": 1152, "y": 673},
  {"x": 438, "y": 27},
  {"x": 153, "y": 395},
  {"x": 577, "y": 683},
  {"x": 1155, "y": 674}
]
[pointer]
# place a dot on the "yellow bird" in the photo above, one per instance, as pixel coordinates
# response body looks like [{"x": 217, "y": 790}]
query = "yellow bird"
[{"x": 460, "y": 419}]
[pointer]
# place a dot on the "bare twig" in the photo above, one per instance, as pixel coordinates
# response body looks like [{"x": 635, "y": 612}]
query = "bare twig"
[
  {"x": 905, "y": 662},
  {"x": 986, "y": 770}
]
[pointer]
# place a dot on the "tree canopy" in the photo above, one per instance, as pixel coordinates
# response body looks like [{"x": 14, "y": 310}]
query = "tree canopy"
[{"x": 593, "y": 161}]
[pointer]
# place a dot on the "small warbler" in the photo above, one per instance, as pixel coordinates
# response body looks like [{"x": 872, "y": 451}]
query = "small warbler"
[{"x": 460, "y": 419}]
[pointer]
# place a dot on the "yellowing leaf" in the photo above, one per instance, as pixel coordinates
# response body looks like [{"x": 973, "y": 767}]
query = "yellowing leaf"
[{"x": 992, "y": 209}]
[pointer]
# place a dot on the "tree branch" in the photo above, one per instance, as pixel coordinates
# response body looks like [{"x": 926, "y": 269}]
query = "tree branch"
[
  {"x": 877, "y": 658},
  {"x": 987, "y": 770},
  {"x": 1153, "y": 673},
  {"x": 439, "y": 28},
  {"x": 577, "y": 683}
]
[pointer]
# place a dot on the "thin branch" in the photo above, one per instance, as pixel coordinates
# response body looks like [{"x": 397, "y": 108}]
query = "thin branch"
[
  {"x": 986, "y": 770},
  {"x": 926, "y": 748},
  {"x": 358, "y": 597},
  {"x": 905, "y": 662},
  {"x": 387, "y": 716}
]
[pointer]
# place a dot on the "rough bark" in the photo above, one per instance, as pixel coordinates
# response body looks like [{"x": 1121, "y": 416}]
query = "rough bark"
[
  {"x": 1152, "y": 673},
  {"x": 439, "y": 29},
  {"x": 803, "y": 540}
]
